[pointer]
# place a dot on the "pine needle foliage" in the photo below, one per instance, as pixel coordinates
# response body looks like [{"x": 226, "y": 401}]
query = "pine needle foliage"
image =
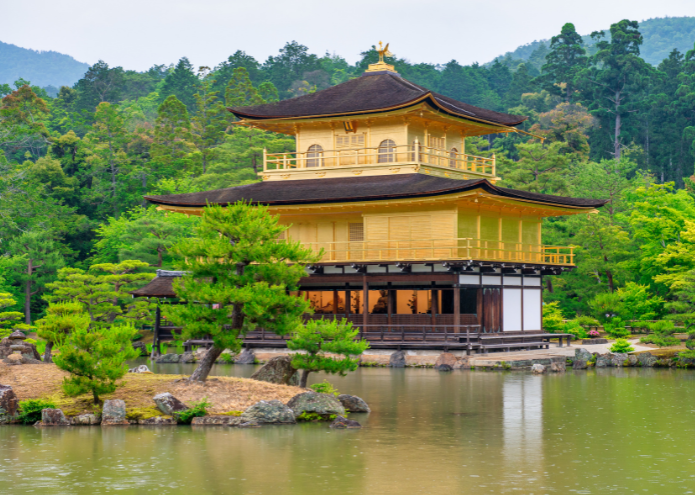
[
  {"x": 329, "y": 346},
  {"x": 95, "y": 359},
  {"x": 239, "y": 278}
]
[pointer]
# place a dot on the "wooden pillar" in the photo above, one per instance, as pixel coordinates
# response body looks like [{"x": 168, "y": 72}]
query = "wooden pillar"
[
  {"x": 157, "y": 324},
  {"x": 457, "y": 307},
  {"x": 335, "y": 302},
  {"x": 435, "y": 306},
  {"x": 389, "y": 308},
  {"x": 365, "y": 301},
  {"x": 348, "y": 302}
]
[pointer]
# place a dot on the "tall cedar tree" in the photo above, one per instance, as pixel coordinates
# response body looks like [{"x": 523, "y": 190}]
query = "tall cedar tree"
[
  {"x": 240, "y": 92},
  {"x": 61, "y": 320},
  {"x": 208, "y": 125},
  {"x": 95, "y": 359},
  {"x": 38, "y": 260},
  {"x": 238, "y": 279},
  {"x": 616, "y": 79},
  {"x": 321, "y": 341},
  {"x": 172, "y": 138},
  {"x": 181, "y": 82},
  {"x": 565, "y": 60}
]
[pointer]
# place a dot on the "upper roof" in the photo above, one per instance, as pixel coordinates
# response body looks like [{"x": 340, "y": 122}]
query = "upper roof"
[
  {"x": 369, "y": 188},
  {"x": 373, "y": 92}
]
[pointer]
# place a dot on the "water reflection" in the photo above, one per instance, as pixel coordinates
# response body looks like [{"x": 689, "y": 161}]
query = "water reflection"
[{"x": 613, "y": 431}]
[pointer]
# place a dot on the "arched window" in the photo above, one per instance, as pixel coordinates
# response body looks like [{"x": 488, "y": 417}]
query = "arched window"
[
  {"x": 314, "y": 156},
  {"x": 453, "y": 154},
  {"x": 387, "y": 151}
]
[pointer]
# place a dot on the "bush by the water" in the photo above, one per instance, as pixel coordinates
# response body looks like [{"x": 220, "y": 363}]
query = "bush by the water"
[
  {"x": 312, "y": 416},
  {"x": 621, "y": 346},
  {"x": 325, "y": 387},
  {"x": 197, "y": 410},
  {"x": 665, "y": 341},
  {"x": 30, "y": 410}
]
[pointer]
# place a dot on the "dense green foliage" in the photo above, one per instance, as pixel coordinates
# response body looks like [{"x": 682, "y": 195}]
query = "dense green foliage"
[
  {"x": 95, "y": 358},
  {"x": 197, "y": 410},
  {"x": 327, "y": 345},
  {"x": 238, "y": 277},
  {"x": 621, "y": 346},
  {"x": 74, "y": 167},
  {"x": 30, "y": 410}
]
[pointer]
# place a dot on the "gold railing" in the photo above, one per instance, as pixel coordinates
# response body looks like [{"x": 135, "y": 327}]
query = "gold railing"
[
  {"x": 394, "y": 155},
  {"x": 444, "y": 249}
]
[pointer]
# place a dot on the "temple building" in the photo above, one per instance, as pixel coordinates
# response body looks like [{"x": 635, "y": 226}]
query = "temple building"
[{"x": 421, "y": 245}]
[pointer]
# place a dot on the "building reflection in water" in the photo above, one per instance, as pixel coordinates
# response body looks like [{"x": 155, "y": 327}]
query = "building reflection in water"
[{"x": 523, "y": 422}]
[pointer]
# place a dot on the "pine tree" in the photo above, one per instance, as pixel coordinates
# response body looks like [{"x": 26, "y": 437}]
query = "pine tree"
[
  {"x": 240, "y": 92},
  {"x": 61, "y": 319},
  {"x": 9, "y": 320},
  {"x": 182, "y": 83},
  {"x": 209, "y": 124},
  {"x": 238, "y": 278},
  {"x": 320, "y": 341},
  {"x": 562, "y": 64},
  {"x": 37, "y": 261},
  {"x": 172, "y": 139},
  {"x": 95, "y": 359}
]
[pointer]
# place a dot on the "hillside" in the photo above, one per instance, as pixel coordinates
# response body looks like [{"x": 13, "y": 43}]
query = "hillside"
[
  {"x": 661, "y": 35},
  {"x": 41, "y": 68}
]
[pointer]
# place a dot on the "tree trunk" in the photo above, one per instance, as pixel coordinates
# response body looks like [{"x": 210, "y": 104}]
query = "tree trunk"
[
  {"x": 203, "y": 370},
  {"x": 618, "y": 124},
  {"x": 96, "y": 398},
  {"x": 304, "y": 378},
  {"x": 549, "y": 284},
  {"x": 609, "y": 275},
  {"x": 27, "y": 296},
  {"x": 47, "y": 356}
]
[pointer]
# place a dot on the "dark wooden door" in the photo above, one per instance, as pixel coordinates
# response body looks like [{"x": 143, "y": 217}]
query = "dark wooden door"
[{"x": 491, "y": 317}]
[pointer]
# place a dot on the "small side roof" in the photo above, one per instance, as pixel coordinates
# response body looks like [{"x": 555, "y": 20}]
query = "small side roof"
[
  {"x": 353, "y": 189},
  {"x": 160, "y": 286},
  {"x": 371, "y": 93}
]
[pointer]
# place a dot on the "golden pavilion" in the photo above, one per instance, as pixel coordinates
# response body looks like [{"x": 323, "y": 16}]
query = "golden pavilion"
[{"x": 421, "y": 247}]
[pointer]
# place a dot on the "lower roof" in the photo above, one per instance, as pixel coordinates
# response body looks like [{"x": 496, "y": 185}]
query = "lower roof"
[{"x": 353, "y": 189}]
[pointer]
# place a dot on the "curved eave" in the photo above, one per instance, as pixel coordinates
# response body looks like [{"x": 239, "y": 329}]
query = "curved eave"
[
  {"x": 482, "y": 184},
  {"x": 428, "y": 97}
]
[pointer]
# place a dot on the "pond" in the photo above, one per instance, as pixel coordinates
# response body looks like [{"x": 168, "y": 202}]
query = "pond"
[{"x": 603, "y": 431}]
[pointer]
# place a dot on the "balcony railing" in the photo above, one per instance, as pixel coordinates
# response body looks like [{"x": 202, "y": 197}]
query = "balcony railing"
[
  {"x": 391, "y": 155},
  {"x": 443, "y": 249}
]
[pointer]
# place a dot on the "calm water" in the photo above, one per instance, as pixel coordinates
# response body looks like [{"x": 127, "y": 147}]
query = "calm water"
[{"x": 605, "y": 431}]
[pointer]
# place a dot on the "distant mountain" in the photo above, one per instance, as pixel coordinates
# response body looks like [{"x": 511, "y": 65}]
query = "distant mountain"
[
  {"x": 41, "y": 68},
  {"x": 661, "y": 36}
]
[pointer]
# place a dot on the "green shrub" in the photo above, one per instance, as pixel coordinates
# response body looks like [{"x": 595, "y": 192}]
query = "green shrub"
[
  {"x": 197, "y": 410},
  {"x": 662, "y": 327},
  {"x": 226, "y": 358},
  {"x": 136, "y": 413},
  {"x": 621, "y": 346},
  {"x": 575, "y": 329},
  {"x": 232, "y": 413},
  {"x": 325, "y": 387},
  {"x": 606, "y": 304},
  {"x": 312, "y": 416},
  {"x": 553, "y": 319},
  {"x": 687, "y": 354},
  {"x": 660, "y": 341},
  {"x": 30, "y": 410},
  {"x": 587, "y": 321},
  {"x": 616, "y": 328},
  {"x": 149, "y": 349}
]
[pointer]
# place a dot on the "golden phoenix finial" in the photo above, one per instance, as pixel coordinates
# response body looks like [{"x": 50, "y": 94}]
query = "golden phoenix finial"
[{"x": 383, "y": 52}]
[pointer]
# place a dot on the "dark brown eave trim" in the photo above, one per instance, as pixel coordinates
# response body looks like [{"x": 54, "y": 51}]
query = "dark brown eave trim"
[
  {"x": 431, "y": 99},
  {"x": 482, "y": 184}
]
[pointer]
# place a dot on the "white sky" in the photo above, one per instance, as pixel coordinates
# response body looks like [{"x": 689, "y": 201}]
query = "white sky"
[{"x": 136, "y": 34}]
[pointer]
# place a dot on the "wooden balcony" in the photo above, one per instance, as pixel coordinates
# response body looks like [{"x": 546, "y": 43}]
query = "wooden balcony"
[
  {"x": 385, "y": 157},
  {"x": 443, "y": 249}
]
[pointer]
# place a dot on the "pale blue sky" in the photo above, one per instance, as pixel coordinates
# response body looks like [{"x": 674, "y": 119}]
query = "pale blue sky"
[{"x": 139, "y": 33}]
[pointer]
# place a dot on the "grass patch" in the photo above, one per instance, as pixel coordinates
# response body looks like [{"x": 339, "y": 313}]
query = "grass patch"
[{"x": 137, "y": 413}]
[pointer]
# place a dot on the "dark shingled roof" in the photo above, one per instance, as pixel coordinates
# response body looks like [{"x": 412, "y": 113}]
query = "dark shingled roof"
[
  {"x": 161, "y": 286},
  {"x": 373, "y": 92},
  {"x": 340, "y": 190}
]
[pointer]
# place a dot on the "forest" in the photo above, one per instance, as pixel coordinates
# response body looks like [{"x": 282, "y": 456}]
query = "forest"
[{"x": 74, "y": 166}]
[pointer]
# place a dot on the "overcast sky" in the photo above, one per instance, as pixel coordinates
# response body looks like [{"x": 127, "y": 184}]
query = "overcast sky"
[{"x": 136, "y": 34}]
